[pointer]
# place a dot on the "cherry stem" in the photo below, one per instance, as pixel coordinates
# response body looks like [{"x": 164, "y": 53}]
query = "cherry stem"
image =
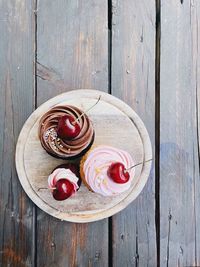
[
  {"x": 80, "y": 116},
  {"x": 137, "y": 165},
  {"x": 45, "y": 188}
]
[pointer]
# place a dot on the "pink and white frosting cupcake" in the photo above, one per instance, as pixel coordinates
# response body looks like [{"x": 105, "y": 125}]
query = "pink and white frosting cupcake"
[
  {"x": 63, "y": 173},
  {"x": 94, "y": 170}
]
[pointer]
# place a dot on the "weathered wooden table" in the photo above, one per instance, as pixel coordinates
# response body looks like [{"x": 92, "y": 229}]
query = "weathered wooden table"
[{"x": 144, "y": 52}]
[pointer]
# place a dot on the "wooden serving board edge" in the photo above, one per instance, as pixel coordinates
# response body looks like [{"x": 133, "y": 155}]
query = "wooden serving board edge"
[{"x": 75, "y": 217}]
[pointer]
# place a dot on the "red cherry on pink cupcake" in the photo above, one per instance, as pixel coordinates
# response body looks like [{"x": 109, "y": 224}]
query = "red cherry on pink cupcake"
[
  {"x": 117, "y": 172},
  {"x": 63, "y": 189},
  {"x": 68, "y": 127}
]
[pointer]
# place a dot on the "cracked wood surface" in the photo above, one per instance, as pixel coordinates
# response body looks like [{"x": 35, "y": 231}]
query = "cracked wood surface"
[
  {"x": 133, "y": 80},
  {"x": 72, "y": 50},
  {"x": 76, "y": 57},
  {"x": 179, "y": 137},
  {"x": 16, "y": 104}
]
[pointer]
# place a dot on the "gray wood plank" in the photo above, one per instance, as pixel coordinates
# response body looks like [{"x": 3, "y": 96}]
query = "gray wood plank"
[
  {"x": 72, "y": 53},
  {"x": 133, "y": 80},
  {"x": 16, "y": 103},
  {"x": 179, "y": 134}
]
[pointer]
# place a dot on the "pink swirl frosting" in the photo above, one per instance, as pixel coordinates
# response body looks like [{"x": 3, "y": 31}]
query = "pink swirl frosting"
[
  {"x": 62, "y": 173},
  {"x": 96, "y": 166}
]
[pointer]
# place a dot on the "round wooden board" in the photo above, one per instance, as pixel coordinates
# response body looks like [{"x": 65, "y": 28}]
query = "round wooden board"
[{"x": 115, "y": 124}]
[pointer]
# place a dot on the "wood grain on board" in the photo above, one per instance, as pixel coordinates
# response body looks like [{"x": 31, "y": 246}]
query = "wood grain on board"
[
  {"x": 16, "y": 104},
  {"x": 133, "y": 80},
  {"x": 72, "y": 52},
  {"x": 179, "y": 134}
]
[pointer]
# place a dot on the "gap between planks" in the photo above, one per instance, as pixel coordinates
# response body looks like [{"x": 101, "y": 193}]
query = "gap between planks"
[
  {"x": 110, "y": 223},
  {"x": 34, "y": 232},
  {"x": 157, "y": 127}
]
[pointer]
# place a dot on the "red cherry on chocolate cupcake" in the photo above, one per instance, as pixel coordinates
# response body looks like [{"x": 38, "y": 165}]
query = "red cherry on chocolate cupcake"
[
  {"x": 118, "y": 173},
  {"x": 63, "y": 189},
  {"x": 68, "y": 127}
]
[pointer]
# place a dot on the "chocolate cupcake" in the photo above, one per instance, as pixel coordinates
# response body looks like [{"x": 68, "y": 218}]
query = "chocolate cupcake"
[{"x": 60, "y": 147}]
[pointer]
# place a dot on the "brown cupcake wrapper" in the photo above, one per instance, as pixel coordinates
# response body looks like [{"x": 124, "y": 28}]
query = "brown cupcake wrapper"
[{"x": 82, "y": 174}]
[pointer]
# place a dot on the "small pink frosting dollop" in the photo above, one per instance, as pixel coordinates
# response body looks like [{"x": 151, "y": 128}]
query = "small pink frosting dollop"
[
  {"x": 96, "y": 166},
  {"x": 62, "y": 173}
]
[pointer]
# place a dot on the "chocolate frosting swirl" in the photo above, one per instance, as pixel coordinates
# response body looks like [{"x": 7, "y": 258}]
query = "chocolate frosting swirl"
[{"x": 66, "y": 149}]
